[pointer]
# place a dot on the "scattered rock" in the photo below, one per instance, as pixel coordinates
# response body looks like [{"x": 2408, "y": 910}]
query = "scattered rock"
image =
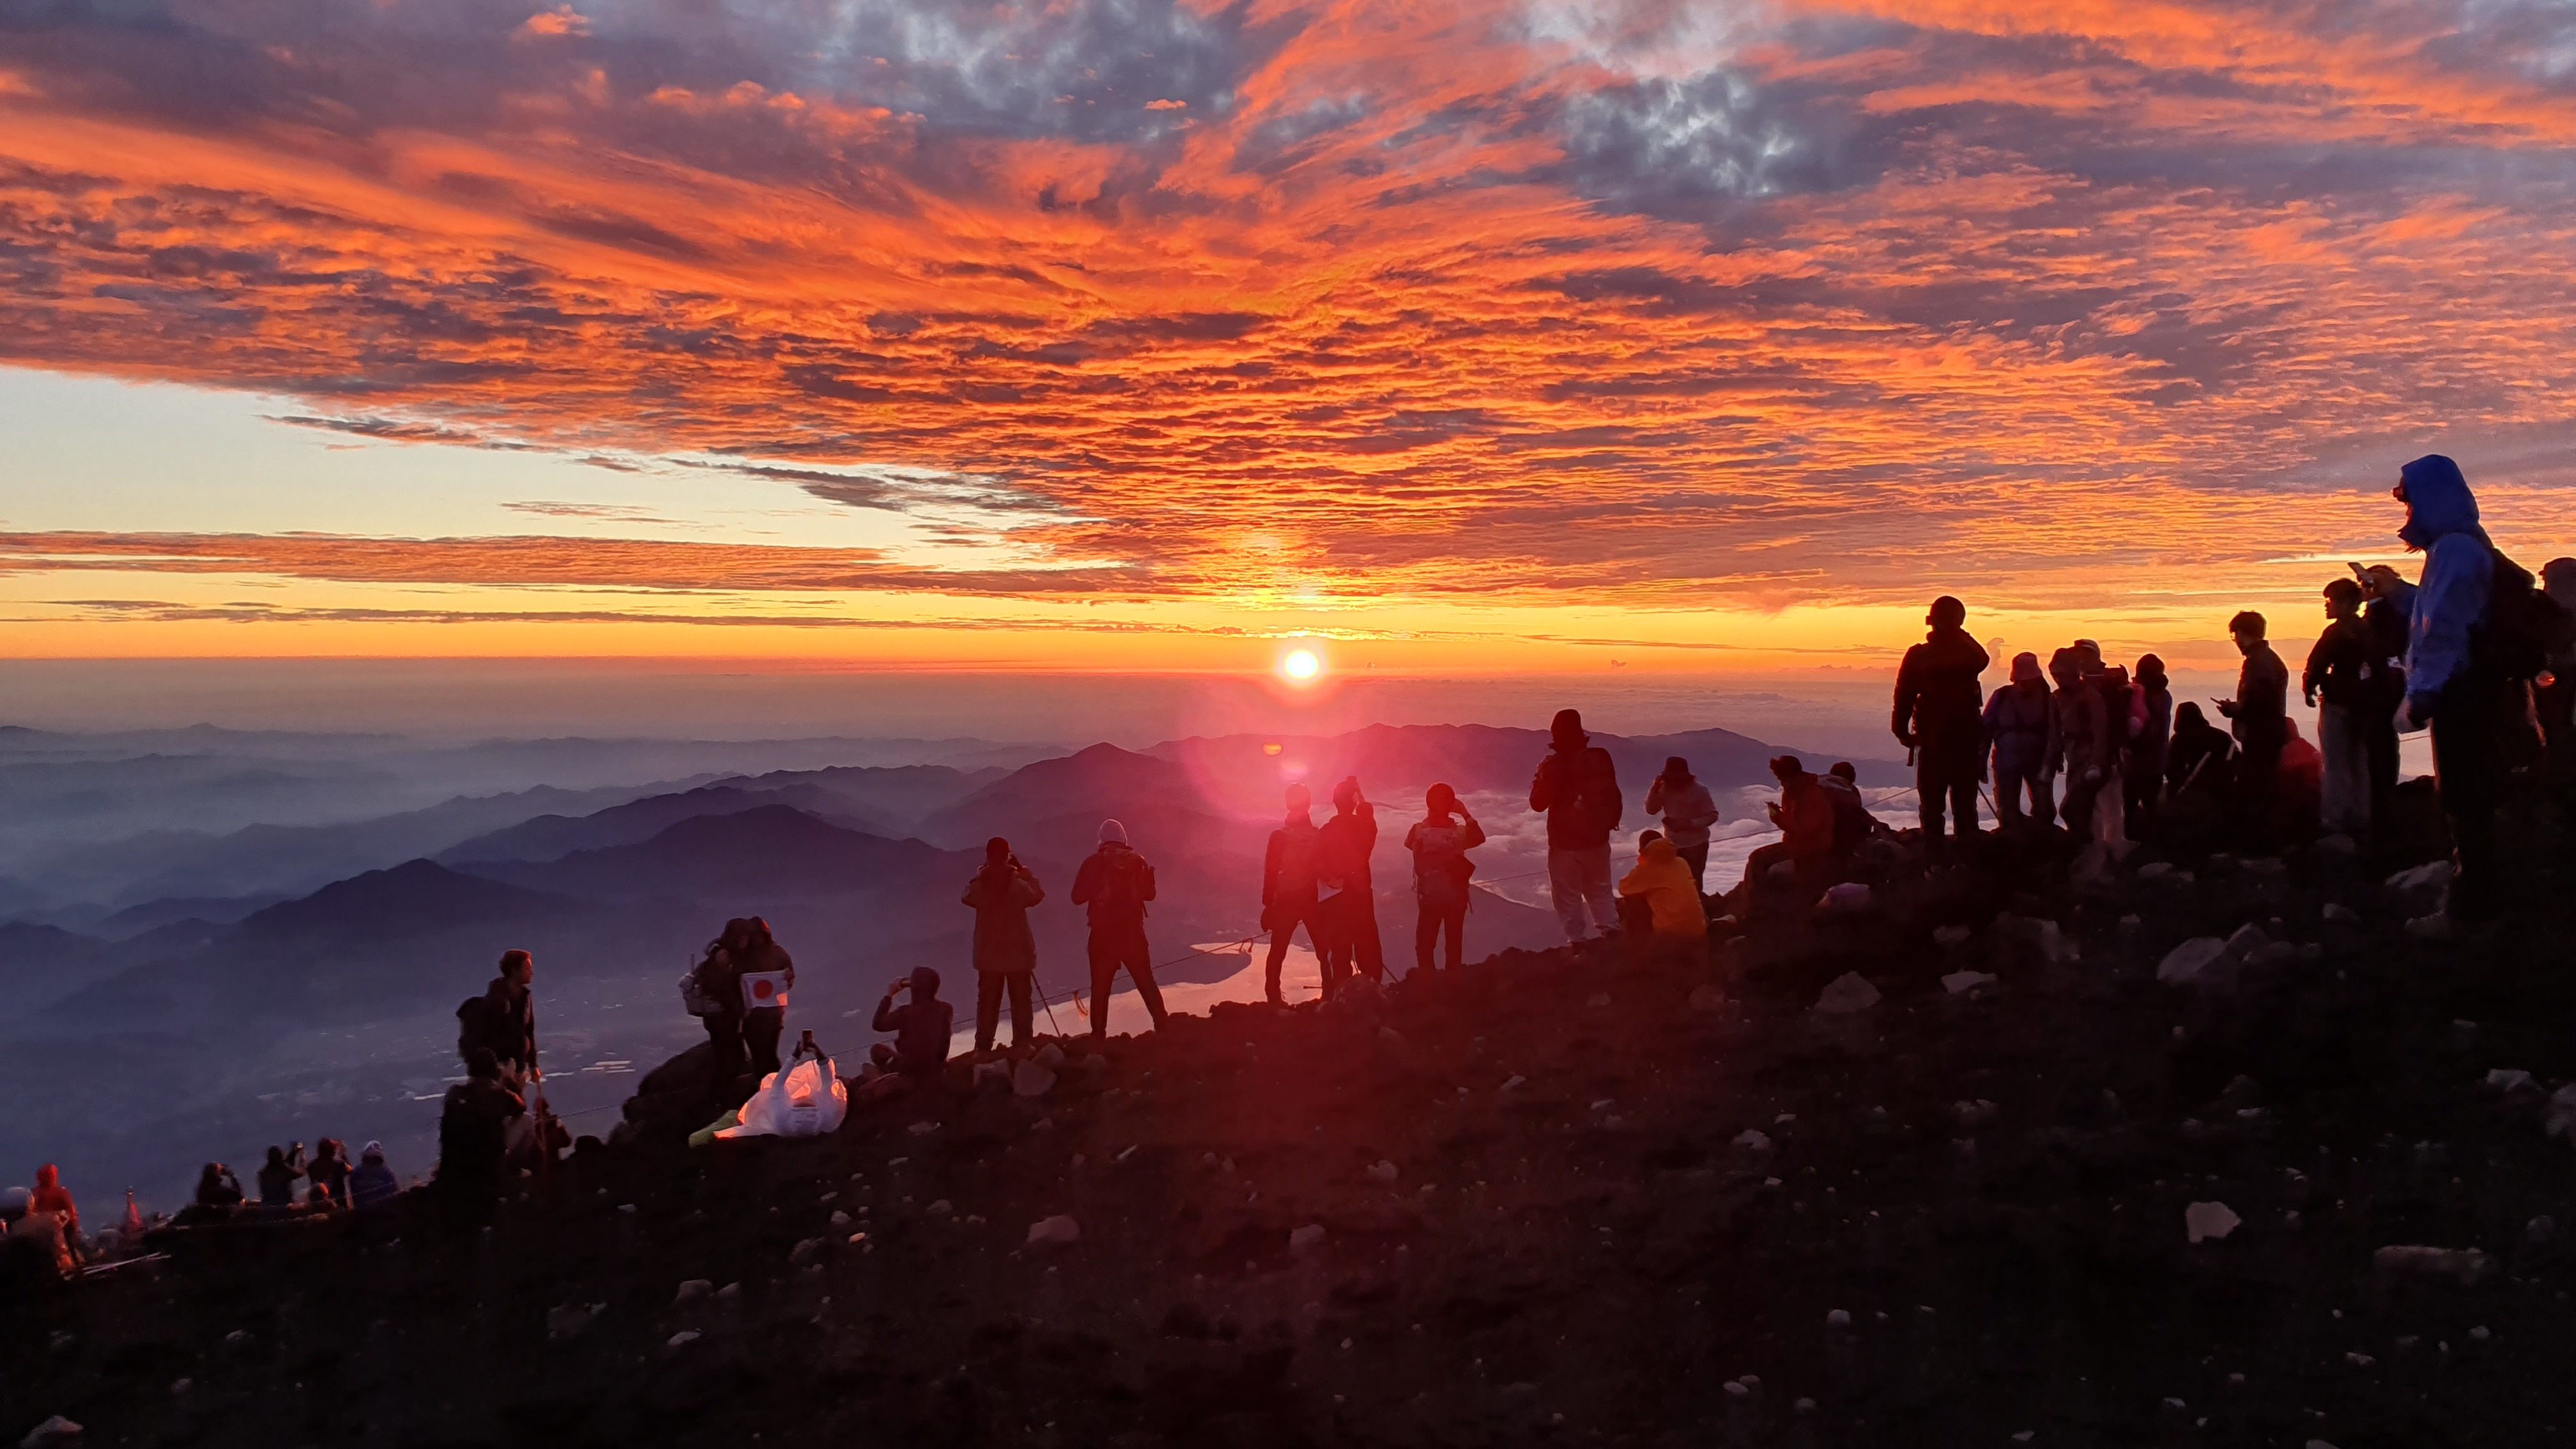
[
  {"x": 2422, "y": 890},
  {"x": 1753, "y": 1140},
  {"x": 1951, "y": 935},
  {"x": 1850, "y": 898},
  {"x": 1054, "y": 1232},
  {"x": 2337, "y": 911},
  {"x": 922, "y": 1129},
  {"x": 1973, "y": 1114},
  {"x": 571, "y": 1320},
  {"x": 1708, "y": 996},
  {"x": 2209, "y": 1221},
  {"x": 1382, "y": 1171},
  {"x": 2466, "y": 1266},
  {"x": 2509, "y": 1079},
  {"x": 1306, "y": 1239},
  {"x": 991, "y": 1072},
  {"x": 681, "y": 1339},
  {"x": 2186, "y": 963},
  {"x": 1959, "y": 983},
  {"x": 1838, "y": 1318},
  {"x": 1598, "y": 999},
  {"x": 53, "y": 1432},
  {"x": 2562, "y": 1113},
  {"x": 1034, "y": 1079},
  {"x": 694, "y": 1288},
  {"x": 1847, "y": 993}
]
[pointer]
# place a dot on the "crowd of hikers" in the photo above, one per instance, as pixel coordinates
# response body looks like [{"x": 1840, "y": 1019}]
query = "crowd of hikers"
[{"x": 2080, "y": 754}]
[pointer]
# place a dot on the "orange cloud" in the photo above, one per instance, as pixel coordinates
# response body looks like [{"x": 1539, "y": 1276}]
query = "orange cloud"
[{"x": 1428, "y": 302}]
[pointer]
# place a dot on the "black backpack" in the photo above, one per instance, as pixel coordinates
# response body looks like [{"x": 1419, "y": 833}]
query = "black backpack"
[
  {"x": 1125, "y": 881},
  {"x": 477, "y": 1024},
  {"x": 2524, "y": 627}
]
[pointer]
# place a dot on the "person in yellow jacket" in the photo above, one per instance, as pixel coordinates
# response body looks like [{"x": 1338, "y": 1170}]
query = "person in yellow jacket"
[{"x": 1663, "y": 879}]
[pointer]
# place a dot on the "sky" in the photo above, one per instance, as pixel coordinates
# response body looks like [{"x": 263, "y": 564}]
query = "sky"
[{"x": 1135, "y": 336}]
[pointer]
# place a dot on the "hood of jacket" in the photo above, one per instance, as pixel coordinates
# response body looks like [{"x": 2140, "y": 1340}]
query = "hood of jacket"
[
  {"x": 1657, "y": 851},
  {"x": 2438, "y": 502}
]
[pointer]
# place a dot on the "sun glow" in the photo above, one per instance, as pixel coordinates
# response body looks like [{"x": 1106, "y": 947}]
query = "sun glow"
[{"x": 1301, "y": 666}]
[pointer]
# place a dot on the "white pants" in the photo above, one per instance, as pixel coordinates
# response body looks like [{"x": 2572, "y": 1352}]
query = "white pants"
[
  {"x": 1578, "y": 877},
  {"x": 2345, "y": 743}
]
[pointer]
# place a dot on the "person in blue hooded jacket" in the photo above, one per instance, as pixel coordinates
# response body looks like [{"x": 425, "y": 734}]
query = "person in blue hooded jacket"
[{"x": 2448, "y": 685}]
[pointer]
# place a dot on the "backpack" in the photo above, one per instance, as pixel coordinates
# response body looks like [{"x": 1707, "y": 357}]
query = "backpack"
[
  {"x": 1441, "y": 869},
  {"x": 696, "y": 999},
  {"x": 2523, "y": 627},
  {"x": 1126, "y": 879},
  {"x": 1596, "y": 788},
  {"x": 477, "y": 1025},
  {"x": 2123, "y": 706},
  {"x": 1297, "y": 859}
]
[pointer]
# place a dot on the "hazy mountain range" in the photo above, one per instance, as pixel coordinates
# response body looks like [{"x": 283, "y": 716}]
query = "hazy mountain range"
[{"x": 295, "y": 970}]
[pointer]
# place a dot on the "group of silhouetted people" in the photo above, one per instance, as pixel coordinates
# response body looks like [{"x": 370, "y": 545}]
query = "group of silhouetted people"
[{"x": 2478, "y": 649}]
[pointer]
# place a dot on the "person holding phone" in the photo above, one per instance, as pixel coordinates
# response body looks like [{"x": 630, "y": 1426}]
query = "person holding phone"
[
  {"x": 921, "y": 1027},
  {"x": 1006, "y": 952}
]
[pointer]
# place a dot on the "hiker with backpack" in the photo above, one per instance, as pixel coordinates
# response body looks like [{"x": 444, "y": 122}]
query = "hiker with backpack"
[
  {"x": 712, "y": 992},
  {"x": 2341, "y": 683},
  {"x": 1342, "y": 851},
  {"x": 473, "y": 1138},
  {"x": 2260, "y": 716},
  {"x": 503, "y": 1020},
  {"x": 2142, "y": 777},
  {"x": 1442, "y": 873},
  {"x": 2083, "y": 748},
  {"x": 1288, "y": 891},
  {"x": 1006, "y": 952},
  {"x": 2021, "y": 734},
  {"x": 1937, "y": 717},
  {"x": 1577, "y": 788},
  {"x": 1113, "y": 886},
  {"x": 2481, "y": 633},
  {"x": 763, "y": 973},
  {"x": 1687, "y": 811}
]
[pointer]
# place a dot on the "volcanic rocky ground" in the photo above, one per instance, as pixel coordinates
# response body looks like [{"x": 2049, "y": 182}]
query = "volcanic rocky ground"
[{"x": 1561, "y": 1200}]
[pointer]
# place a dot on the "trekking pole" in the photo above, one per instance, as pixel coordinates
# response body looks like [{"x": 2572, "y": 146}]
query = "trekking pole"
[{"x": 1049, "y": 1003}]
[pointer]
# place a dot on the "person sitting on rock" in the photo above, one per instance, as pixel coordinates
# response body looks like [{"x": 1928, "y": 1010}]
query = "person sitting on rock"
[
  {"x": 36, "y": 1248},
  {"x": 1805, "y": 815},
  {"x": 1663, "y": 880},
  {"x": 277, "y": 1176},
  {"x": 473, "y": 1136},
  {"x": 219, "y": 1192},
  {"x": 373, "y": 1185},
  {"x": 921, "y": 1027}
]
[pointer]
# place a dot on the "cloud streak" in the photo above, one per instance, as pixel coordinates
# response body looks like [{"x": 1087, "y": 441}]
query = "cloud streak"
[{"x": 1341, "y": 300}]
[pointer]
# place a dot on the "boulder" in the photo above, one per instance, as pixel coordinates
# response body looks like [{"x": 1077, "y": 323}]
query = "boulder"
[
  {"x": 2209, "y": 1221},
  {"x": 1054, "y": 1232},
  {"x": 2467, "y": 1267},
  {"x": 1708, "y": 996},
  {"x": 1959, "y": 983},
  {"x": 51, "y": 1434},
  {"x": 1031, "y": 1079},
  {"x": 1306, "y": 1239},
  {"x": 1847, "y": 993},
  {"x": 2421, "y": 890}
]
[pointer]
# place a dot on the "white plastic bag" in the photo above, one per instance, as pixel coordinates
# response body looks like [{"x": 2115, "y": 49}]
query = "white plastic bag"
[{"x": 805, "y": 1100}]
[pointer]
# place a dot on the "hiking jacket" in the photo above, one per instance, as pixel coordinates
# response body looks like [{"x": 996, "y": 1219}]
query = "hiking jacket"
[
  {"x": 373, "y": 1185},
  {"x": 473, "y": 1130},
  {"x": 511, "y": 1018},
  {"x": 2262, "y": 695},
  {"x": 51, "y": 1196},
  {"x": 1936, "y": 697},
  {"x": 1001, "y": 901},
  {"x": 1853, "y": 823},
  {"x": 1664, "y": 880},
  {"x": 1342, "y": 849},
  {"x": 2021, "y": 728},
  {"x": 2155, "y": 732},
  {"x": 1687, "y": 810},
  {"x": 2083, "y": 731},
  {"x": 1806, "y": 817},
  {"x": 1579, "y": 791},
  {"x": 1109, "y": 910},
  {"x": 2339, "y": 670},
  {"x": 921, "y": 1032},
  {"x": 2194, "y": 744},
  {"x": 1458, "y": 866},
  {"x": 1288, "y": 866},
  {"x": 2459, "y": 577}
]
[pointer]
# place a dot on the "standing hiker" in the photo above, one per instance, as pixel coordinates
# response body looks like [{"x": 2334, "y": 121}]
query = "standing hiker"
[
  {"x": 1006, "y": 952},
  {"x": 1112, "y": 887},
  {"x": 1937, "y": 717},
  {"x": 1342, "y": 851},
  {"x": 1687, "y": 810},
  {"x": 1577, "y": 787},
  {"x": 1439, "y": 843},
  {"x": 1288, "y": 886}
]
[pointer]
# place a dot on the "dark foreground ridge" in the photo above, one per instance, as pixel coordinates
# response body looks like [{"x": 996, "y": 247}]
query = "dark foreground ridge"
[{"x": 1574, "y": 1197}]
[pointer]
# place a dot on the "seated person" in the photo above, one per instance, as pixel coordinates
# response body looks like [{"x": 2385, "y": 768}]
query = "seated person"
[
  {"x": 1664, "y": 882},
  {"x": 1853, "y": 824},
  {"x": 921, "y": 1027},
  {"x": 1805, "y": 815},
  {"x": 35, "y": 1248}
]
